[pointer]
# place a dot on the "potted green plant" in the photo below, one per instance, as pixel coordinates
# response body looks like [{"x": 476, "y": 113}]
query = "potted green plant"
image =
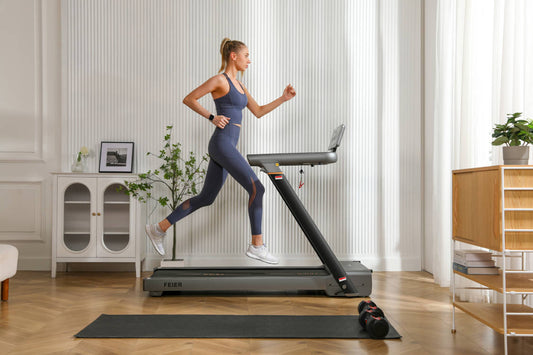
[
  {"x": 516, "y": 134},
  {"x": 178, "y": 177}
]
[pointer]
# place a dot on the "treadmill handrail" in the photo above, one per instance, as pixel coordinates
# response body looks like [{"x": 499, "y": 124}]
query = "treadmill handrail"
[
  {"x": 317, "y": 158},
  {"x": 307, "y": 158}
]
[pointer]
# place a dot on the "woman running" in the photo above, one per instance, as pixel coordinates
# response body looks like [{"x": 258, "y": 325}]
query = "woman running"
[{"x": 230, "y": 97}]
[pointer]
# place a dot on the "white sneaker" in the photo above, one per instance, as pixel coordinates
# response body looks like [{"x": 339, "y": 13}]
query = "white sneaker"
[
  {"x": 261, "y": 253},
  {"x": 156, "y": 237}
]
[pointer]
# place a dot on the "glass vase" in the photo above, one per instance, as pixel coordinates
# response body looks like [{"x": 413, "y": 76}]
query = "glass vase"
[{"x": 79, "y": 166}]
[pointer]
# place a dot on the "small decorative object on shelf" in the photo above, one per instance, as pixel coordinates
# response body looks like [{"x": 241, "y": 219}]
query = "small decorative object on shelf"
[
  {"x": 516, "y": 134},
  {"x": 474, "y": 262},
  {"x": 80, "y": 161},
  {"x": 116, "y": 157},
  {"x": 476, "y": 270}
]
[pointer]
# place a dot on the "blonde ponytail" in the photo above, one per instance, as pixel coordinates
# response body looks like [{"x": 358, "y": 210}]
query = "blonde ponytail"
[
  {"x": 226, "y": 47},
  {"x": 224, "y": 59}
]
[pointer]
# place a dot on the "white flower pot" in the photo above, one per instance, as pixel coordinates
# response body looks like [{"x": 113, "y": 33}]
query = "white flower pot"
[{"x": 516, "y": 155}]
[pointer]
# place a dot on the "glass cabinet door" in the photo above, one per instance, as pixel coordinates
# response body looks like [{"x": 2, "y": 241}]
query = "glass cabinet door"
[
  {"x": 116, "y": 219},
  {"x": 77, "y": 217}
]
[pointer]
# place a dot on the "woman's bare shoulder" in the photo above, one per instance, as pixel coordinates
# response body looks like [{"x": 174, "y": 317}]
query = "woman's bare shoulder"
[
  {"x": 216, "y": 80},
  {"x": 217, "y": 77}
]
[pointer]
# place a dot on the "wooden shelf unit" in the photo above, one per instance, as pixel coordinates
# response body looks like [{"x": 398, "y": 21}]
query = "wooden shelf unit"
[
  {"x": 492, "y": 208},
  {"x": 516, "y": 283},
  {"x": 492, "y": 315}
]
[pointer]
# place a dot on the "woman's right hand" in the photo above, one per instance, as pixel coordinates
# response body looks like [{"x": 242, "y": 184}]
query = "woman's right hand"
[{"x": 221, "y": 121}]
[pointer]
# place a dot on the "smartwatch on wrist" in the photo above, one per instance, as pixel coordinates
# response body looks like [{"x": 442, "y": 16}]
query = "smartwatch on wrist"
[{"x": 211, "y": 117}]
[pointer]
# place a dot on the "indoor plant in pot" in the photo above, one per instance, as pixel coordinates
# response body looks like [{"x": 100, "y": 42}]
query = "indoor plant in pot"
[
  {"x": 178, "y": 178},
  {"x": 516, "y": 134}
]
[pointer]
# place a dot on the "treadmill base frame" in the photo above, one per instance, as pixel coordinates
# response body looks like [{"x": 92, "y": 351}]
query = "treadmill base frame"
[{"x": 265, "y": 279}]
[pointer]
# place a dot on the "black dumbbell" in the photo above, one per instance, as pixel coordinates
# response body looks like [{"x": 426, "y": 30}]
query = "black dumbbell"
[
  {"x": 368, "y": 308},
  {"x": 365, "y": 303},
  {"x": 373, "y": 320}
]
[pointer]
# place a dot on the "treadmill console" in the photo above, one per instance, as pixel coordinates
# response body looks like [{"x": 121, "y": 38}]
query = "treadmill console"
[
  {"x": 336, "y": 138},
  {"x": 315, "y": 158}
]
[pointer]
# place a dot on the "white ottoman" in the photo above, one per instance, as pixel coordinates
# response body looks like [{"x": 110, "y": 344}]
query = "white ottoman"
[{"x": 9, "y": 256}]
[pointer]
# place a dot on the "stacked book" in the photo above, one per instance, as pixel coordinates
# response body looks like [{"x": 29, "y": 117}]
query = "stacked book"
[{"x": 474, "y": 262}]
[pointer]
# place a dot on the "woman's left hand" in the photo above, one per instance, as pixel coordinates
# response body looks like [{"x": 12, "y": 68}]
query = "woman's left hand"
[{"x": 289, "y": 93}]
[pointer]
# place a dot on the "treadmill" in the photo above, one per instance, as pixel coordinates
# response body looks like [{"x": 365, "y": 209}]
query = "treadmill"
[{"x": 334, "y": 277}]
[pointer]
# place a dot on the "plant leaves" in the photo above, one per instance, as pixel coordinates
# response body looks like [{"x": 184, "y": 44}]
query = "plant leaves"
[{"x": 500, "y": 141}]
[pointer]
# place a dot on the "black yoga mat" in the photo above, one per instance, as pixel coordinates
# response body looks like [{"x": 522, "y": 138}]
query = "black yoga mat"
[{"x": 226, "y": 326}]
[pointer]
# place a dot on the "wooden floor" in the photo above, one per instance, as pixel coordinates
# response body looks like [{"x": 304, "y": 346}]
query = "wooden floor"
[{"x": 43, "y": 314}]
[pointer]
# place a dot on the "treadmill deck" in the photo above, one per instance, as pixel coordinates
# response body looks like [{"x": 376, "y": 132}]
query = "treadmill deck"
[{"x": 258, "y": 279}]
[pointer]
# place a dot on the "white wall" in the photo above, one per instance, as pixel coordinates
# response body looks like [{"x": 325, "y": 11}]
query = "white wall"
[
  {"x": 127, "y": 65},
  {"x": 30, "y": 130}
]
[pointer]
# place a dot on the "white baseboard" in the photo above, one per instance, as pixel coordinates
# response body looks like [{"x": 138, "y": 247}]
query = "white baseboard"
[
  {"x": 392, "y": 263},
  {"x": 45, "y": 264},
  {"x": 34, "y": 264}
]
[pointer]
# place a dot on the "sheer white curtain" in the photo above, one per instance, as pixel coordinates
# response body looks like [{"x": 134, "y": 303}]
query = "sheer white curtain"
[{"x": 483, "y": 55}]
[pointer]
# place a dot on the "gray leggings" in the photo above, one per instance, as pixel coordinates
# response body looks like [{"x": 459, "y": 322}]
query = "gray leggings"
[{"x": 225, "y": 158}]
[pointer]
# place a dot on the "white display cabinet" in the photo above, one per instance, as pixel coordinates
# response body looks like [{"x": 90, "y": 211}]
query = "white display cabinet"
[{"x": 94, "y": 222}]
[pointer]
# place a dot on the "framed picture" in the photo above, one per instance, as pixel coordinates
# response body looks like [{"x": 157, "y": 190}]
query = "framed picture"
[{"x": 116, "y": 157}]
